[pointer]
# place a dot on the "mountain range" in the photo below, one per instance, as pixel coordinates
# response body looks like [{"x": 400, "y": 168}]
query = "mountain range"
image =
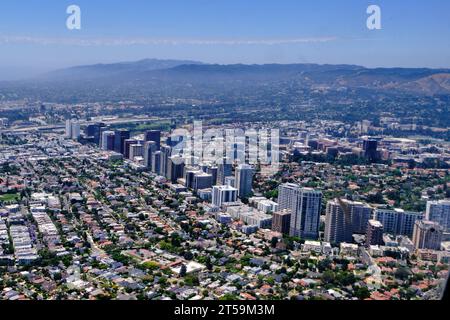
[
  {"x": 414, "y": 80},
  {"x": 151, "y": 74}
]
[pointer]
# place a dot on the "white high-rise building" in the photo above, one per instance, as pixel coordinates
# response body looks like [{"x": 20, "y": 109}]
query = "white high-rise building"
[
  {"x": 244, "y": 180},
  {"x": 361, "y": 213},
  {"x": 68, "y": 129},
  {"x": 398, "y": 221},
  {"x": 72, "y": 129},
  {"x": 223, "y": 194},
  {"x": 267, "y": 206},
  {"x": 136, "y": 150},
  {"x": 230, "y": 181},
  {"x": 305, "y": 205},
  {"x": 75, "y": 130},
  {"x": 104, "y": 141},
  {"x": 427, "y": 235},
  {"x": 344, "y": 218},
  {"x": 439, "y": 211},
  {"x": 338, "y": 222}
]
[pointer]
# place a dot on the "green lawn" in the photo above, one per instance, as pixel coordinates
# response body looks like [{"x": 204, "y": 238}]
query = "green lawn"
[
  {"x": 9, "y": 197},
  {"x": 161, "y": 125}
]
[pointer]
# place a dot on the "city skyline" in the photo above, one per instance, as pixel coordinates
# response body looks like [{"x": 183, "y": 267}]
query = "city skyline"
[{"x": 268, "y": 152}]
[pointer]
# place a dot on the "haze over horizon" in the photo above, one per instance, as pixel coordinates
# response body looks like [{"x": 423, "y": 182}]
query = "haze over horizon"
[{"x": 34, "y": 38}]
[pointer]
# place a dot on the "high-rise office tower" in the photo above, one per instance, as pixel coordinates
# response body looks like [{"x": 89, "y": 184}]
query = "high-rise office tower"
[
  {"x": 427, "y": 235},
  {"x": 72, "y": 129},
  {"x": 344, "y": 218},
  {"x": 305, "y": 205},
  {"x": 111, "y": 141},
  {"x": 68, "y": 134},
  {"x": 126, "y": 147},
  {"x": 439, "y": 211},
  {"x": 119, "y": 141},
  {"x": 338, "y": 222},
  {"x": 189, "y": 174},
  {"x": 236, "y": 152},
  {"x": 244, "y": 180},
  {"x": 370, "y": 147},
  {"x": 230, "y": 181},
  {"x": 203, "y": 167},
  {"x": 224, "y": 170},
  {"x": 212, "y": 170},
  {"x": 397, "y": 221},
  {"x": 107, "y": 140},
  {"x": 136, "y": 150},
  {"x": 94, "y": 132},
  {"x": 223, "y": 194},
  {"x": 175, "y": 168},
  {"x": 155, "y": 136},
  {"x": 150, "y": 147},
  {"x": 281, "y": 221},
  {"x": 156, "y": 162},
  {"x": 99, "y": 127},
  {"x": 360, "y": 213},
  {"x": 75, "y": 130},
  {"x": 166, "y": 153},
  {"x": 202, "y": 181},
  {"x": 374, "y": 235}
]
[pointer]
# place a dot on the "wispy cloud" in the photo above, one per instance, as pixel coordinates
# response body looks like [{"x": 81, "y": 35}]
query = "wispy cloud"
[{"x": 87, "y": 42}]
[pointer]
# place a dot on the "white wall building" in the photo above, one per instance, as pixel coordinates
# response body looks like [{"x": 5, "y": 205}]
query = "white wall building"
[
  {"x": 305, "y": 205},
  {"x": 439, "y": 211},
  {"x": 223, "y": 194}
]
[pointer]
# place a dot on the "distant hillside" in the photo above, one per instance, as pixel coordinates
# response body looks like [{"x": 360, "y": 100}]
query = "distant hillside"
[
  {"x": 434, "y": 84},
  {"x": 421, "y": 81},
  {"x": 182, "y": 79},
  {"x": 127, "y": 69}
]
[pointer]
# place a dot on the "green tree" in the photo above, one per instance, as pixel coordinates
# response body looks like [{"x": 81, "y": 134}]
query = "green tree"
[
  {"x": 362, "y": 293},
  {"x": 183, "y": 270},
  {"x": 328, "y": 277}
]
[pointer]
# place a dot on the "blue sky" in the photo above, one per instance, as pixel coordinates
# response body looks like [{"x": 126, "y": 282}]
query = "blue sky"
[{"x": 34, "y": 37}]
